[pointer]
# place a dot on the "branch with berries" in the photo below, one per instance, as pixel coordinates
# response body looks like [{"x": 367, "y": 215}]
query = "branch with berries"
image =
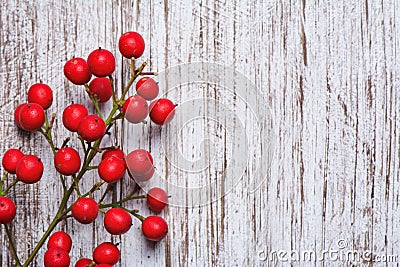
[{"x": 89, "y": 130}]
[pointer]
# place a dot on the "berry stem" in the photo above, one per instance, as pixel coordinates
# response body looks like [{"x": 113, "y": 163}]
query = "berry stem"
[
  {"x": 118, "y": 203},
  {"x": 114, "y": 96},
  {"x": 93, "y": 167},
  {"x": 140, "y": 217},
  {"x": 53, "y": 224},
  {"x": 3, "y": 179},
  {"x": 65, "y": 142},
  {"x": 108, "y": 189},
  {"x": 95, "y": 187},
  {"x": 76, "y": 185},
  {"x": 154, "y": 73},
  {"x": 10, "y": 186},
  {"x": 49, "y": 126},
  {"x": 14, "y": 250},
  {"x": 94, "y": 100},
  {"x": 49, "y": 139},
  {"x": 135, "y": 74}
]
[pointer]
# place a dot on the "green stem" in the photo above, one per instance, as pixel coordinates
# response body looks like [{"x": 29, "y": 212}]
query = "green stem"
[
  {"x": 135, "y": 74},
  {"x": 114, "y": 96},
  {"x": 51, "y": 227},
  {"x": 49, "y": 139},
  {"x": 14, "y": 250},
  {"x": 93, "y": 167},
  {"x": 3, "y": 179},
  {"x": 129, "y": 197},
  {"x": 10, "y": 186},
  {"x": 94, "y": 100},
  {"x": 76, "y": 185},
  {"x": 140, "y": 217},
  {"x": 95, "y": 187}
]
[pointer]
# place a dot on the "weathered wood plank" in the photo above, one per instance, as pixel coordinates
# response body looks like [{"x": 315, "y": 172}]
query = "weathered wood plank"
[{"x": 329, "y": 72}]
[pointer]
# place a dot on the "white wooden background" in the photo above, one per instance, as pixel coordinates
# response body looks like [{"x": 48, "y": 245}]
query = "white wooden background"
[{"x": 329, "y": 71}]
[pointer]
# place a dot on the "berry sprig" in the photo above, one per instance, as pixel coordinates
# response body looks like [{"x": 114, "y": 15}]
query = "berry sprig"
[{"x": 90, "y": 129}]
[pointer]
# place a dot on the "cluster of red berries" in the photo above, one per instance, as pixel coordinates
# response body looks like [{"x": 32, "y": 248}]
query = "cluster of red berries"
[
  {"x": 31, "y": 116},
  {"x": 27, "y": 168},
  {"x": 101, "y": 63}
]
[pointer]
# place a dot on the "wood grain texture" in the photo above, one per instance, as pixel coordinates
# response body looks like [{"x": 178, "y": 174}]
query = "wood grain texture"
[{"x": 328, "y": 71}]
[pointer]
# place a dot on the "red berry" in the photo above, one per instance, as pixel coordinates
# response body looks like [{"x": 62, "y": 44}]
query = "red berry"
[
  {"x": 77, "y": 71},
  {"x": 72, "y": 116},
  {"x": 84, "y": 262},
  {"x": 16, "y": 114},
  {"x": 154, "y": 228},
  {"x": 157, "y": 199},
  {"x": 31, "y": 117},
  {"x": 67, "y": 161},
  {"x": 162, "y": 111},
  {"x": 150, "y": 157},
  {"x": 101, "y": 62},
  {"x": 10, "y": 159},
  {"x": 101, "y": 87},
  {"x": 111, "y": 169},
  {"x": 85, "y": 210},
  {"x": 147, "y": 88},
  {"x": 41, "y": 94},
  {"x": 103, "y": 265},
  {"x": 106, "y": 253},
  {"x": 117, "y": 221},
  {"x": 131, "y": 44},
  {"x": 140, "y": 165},
  {"x": 7, "y": 210},
  {"x": 60, "y": 240},
  {"x": 56, "y": 257},
  {"x": 29, "y": 169},
  {"x": 113, "y": 152},
  {"x": 91, "y": 128},
  {"x": 136, "y": 109}
]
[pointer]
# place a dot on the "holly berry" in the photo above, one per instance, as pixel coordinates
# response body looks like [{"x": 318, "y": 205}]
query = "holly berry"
[
  {"x": 107, "y": 253},
  {"x": 91, "y": 128},
  {"x": 111, "y": 169},
  {"x": 115, "y": 152},
  {"x": 131, "y": 45},
  {"x": 16, "y": 114},
  {"x": 136, "y": 109},
  {"x": 7, "y": 210},
  {"x": 84, "y": 262},
  {"x": 101, "y": 62},
  {"x": 162, "y": 111},
  {"x": 56, "y": 257},
  {"x": 157, "y": 199},
  {"x": 72, "y": 116},
  {"x": 29, "y": 169},
  {"x": 77, "y": 71},
  {"x": 85, "y": 210},
  {"x": 101, "y": 88},
  {"x": 41, "y": 94},
  {"x": 150, "y": 157},
  {"x": 154, "y": 228},
  {"x": 117, "y": 221},
  {"x": 10, "y": 159},
  {"x": 31, "y": 117},
  {"x": 60, "y": 240},
  {"x": 67, "y": 161},
  {"x": 147, "y": 88},
  {"x": 140, "y": 165},
  {"x": 103, "y": 265}
]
